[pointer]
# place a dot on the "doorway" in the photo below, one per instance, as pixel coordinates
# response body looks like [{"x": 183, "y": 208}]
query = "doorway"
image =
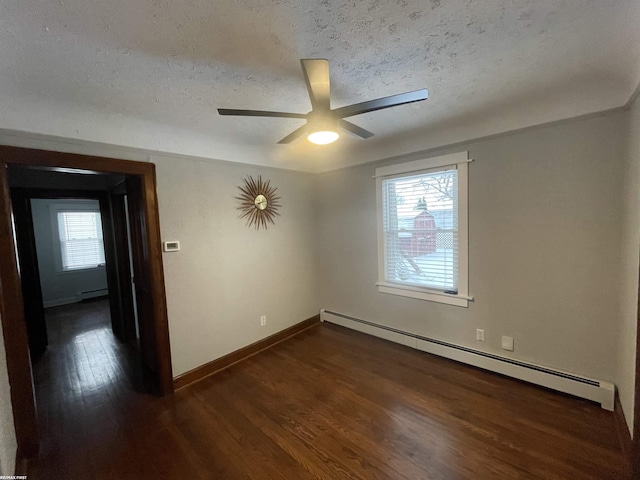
[
  {"x": 69, "y": 253},
  {"x": 128, "y": 193}
]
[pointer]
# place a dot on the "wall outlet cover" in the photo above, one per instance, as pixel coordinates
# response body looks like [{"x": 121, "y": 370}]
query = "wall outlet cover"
[
  {"x": 507, "y": 343},
  {"x": 480, "y": 335}
]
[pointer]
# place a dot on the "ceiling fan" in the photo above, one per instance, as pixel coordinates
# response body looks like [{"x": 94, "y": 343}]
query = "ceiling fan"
[{"x": 323, "y": 121}]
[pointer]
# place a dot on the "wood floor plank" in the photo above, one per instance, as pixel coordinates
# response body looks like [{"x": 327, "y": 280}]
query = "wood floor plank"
[{"x": 326, "y": 404}]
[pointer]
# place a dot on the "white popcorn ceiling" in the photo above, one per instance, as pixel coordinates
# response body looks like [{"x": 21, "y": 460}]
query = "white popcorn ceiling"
[{"x": 151, "y": 73}]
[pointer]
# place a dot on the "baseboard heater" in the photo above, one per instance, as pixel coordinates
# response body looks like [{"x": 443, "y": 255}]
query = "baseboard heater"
[
  {"x": 598, "y": 391},
  {"x": 87, "y": 294}
]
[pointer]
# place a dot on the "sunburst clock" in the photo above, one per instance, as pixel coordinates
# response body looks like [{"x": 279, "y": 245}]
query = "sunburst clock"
[{"x": 258, "y": 202}]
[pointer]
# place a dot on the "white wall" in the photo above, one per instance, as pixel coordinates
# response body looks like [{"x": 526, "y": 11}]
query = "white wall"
[
  {"x": 625, "y": 378},
  {"x": 545, "y": 217},
  {"x": 8, "y": 443},
  {"x": 59, "y": 288},
  {"x": 227, "y": 275}
]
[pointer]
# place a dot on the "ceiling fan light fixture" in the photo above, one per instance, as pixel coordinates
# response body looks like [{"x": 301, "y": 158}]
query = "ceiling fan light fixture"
[
  {"x": 323, "y": 137},
  {"x": 322, "y": 130}
]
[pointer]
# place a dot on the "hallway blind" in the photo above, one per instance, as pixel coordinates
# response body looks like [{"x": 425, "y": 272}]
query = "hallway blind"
[{"x": 81, "y": 243}]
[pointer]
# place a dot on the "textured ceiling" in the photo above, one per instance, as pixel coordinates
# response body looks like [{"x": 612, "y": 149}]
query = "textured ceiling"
[{"x": 151, "y": 73}]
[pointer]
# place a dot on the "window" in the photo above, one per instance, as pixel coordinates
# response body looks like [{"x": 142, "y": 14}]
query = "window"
[
  {"x": 80, "y": 234},
  {"x": 422, "y": 229}
]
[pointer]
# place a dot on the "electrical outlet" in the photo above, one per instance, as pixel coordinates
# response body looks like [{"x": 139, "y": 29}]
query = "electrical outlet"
[
  {"x": 480, "y": 335},
  {"x": 263, "y": 320},
  {"x": 507, "y": 343}
]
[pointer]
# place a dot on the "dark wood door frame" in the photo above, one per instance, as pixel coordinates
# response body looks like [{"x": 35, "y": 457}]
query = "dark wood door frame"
[
  {"x": 29, "y": 273},
  {"x": 11, "y": 303},
  {"x": 144, "y": 301},
  {"x": 123, "y": 270},
  {"x": 635, "y": 446}
]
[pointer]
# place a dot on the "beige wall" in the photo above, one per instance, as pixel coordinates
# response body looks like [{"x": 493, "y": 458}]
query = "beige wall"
[
  {"x": 545, "y": 216},
  {"x": 8, "y": 443},
  {"x": 625, "y": 378},
  {"x": 227, "y": 275}
]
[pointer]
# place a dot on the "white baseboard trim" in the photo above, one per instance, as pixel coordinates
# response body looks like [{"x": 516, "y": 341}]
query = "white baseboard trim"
[
  {"x": 599, "y": 391},
  {"x": 60, "y": 301},
  {"x": 75, "y": 299},
  {"x": 93, "y": 294}
]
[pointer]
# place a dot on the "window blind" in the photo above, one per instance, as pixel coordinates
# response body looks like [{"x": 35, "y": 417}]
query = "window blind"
[
  {"x": 81, "y": 243},
  {"x": 420, "y": 229}
]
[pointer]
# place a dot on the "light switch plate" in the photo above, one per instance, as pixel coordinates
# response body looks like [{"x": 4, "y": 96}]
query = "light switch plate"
[{"x": 171, "y": 246}]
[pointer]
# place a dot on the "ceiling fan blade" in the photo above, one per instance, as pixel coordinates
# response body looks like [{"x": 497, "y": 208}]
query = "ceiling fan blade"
[
  {"x": 259, "y": 113},
  {"x": 316, "y": 76},
  {"x": 380, "y": 103},
  {"x": 298, "y": 132},
  {"x": 355, "y": 129}
]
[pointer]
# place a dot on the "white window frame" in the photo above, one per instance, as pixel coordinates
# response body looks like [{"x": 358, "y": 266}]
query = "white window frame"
[
  {"x": 459, "y": 161},
  {"x": 70, "y": 206}
]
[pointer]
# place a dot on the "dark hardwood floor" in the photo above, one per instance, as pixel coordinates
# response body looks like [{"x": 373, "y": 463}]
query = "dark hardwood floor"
[{"x": 329, "y": 403}]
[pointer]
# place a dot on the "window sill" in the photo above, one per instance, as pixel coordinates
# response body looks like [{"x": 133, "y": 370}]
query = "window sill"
[{"x": 424, "y": 294}]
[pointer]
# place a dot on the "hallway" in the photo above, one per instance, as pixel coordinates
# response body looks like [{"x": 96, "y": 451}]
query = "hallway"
[{"x": 83, "y": 381}]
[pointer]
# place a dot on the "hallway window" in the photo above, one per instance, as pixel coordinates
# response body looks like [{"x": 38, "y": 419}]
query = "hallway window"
[{"x": 81, "y": 244}]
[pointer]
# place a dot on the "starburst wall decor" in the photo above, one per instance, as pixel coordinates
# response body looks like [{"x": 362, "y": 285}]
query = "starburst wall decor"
[{"x": 258, "y": 202}]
